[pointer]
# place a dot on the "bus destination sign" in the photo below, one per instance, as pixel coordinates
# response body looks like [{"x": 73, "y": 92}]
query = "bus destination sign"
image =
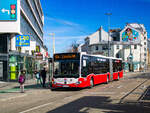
[{"x": 66, "y": 56}]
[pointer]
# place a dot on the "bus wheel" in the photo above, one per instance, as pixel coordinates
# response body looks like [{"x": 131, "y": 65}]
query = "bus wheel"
[
  {"x": 91, "y": 83},
  {"x": 107, "y": 79}
]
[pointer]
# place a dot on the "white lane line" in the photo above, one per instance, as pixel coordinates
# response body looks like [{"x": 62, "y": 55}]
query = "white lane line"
[
  {"x": 119, "y": 86},
  {"x": 13, "y": 97},
  {"x": 36, "y": 107},
  {"x": 100, "y": 93},
  {"x": 43, "y": 105}
]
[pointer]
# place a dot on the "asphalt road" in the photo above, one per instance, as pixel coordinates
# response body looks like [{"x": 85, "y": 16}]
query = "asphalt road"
[{"x": 128, "y": 95}]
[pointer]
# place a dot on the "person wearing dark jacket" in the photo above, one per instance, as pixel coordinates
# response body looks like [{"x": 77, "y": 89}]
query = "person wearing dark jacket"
[{"x": 43, "y": 74}]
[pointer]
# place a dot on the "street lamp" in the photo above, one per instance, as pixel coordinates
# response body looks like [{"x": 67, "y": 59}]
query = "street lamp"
[
  {"x": 53, "y": 35},
  {"x": 108, "y": 14}
]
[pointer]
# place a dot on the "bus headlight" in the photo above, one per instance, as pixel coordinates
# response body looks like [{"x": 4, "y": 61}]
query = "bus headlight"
[{"x": 79, "y": 82}]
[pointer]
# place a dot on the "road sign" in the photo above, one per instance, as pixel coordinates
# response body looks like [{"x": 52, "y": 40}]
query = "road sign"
[
  {"x": 8, "y": 9},
  {"x": 22, "y": 40}
]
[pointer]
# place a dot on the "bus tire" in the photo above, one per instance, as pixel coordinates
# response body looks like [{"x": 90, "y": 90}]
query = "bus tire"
[
  {"x": 107, "y": 81},
  {"x": 91, "y": 83},
  {"x": 52, "y": 89}
]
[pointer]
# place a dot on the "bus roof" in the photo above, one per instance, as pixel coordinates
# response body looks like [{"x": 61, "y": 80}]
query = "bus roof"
[{"x": 84, "y": 53}]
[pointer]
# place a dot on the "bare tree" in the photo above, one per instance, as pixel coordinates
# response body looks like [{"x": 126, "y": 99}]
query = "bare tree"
[{"x": 73, "y": 47}]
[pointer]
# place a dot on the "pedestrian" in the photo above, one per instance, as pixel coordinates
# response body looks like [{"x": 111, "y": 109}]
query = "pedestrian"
[
  {"x": 21, "y": 80},
  {"x": 43, "y": 74},
  {"x": 37, "y": 76}
]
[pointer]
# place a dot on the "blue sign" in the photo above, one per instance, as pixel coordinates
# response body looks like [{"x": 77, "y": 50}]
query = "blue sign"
[
  {"x": 22, "y": 40},
  {"x": 8, "y": 9}
]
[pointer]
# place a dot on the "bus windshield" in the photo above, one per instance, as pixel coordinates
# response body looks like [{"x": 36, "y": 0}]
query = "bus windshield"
[{"x": 66, "y": 68}]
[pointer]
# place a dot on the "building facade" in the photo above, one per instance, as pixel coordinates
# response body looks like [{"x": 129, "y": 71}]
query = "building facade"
[
  {"x": 130, "y": 44},
  {"x": 148, "y": 52},
  {"x": 20, "y": 18}
]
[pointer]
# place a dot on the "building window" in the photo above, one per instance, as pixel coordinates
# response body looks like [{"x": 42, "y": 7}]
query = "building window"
[
  {"x": 3, "y": 43},
  {"x": 145, "y": 49},
  {"x": 104, "y": 47},
  {"x": 144, "y": 43},
  {"x": 144, "y": 54},
  {"x": 117, "y": 46},
  {"x": 144, "y": 38},
  {"x": 135, "y": 46},
  {"x": 96, "y": 47}
]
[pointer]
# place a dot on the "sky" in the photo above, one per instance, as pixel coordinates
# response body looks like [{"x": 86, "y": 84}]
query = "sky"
[{"x": 73, "y": 20}]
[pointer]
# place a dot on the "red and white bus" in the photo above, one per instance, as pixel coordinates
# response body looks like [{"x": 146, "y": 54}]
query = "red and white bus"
[{"x": 84, "y": 70}]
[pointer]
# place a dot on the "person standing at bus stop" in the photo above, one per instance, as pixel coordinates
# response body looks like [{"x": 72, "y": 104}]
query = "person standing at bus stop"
[
  {"x": 38, "y": 78},
  {"x": 43, "y": 74},
  {"x": 21, "y": 80}
]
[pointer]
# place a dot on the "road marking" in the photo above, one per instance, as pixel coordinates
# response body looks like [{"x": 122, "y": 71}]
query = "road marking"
[
  {"x": 95, "y": 93},
  {"x": 68, "y": 98},
  {"x": 13, "y": 97},
  {"x": 119, "y": 86},
  {"x": 43, "y": 105},
  {"x": 40, "y": 106},
  {"x": 124, "y": 93}
]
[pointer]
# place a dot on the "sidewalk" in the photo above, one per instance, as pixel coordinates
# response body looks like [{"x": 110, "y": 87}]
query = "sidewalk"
[
  {"x": 8, "y": 85},
  {"x": 135, "y": 73},
  {"x": 11, "y": 90}
]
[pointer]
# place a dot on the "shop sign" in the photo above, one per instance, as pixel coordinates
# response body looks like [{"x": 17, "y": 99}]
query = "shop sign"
[
  {"x": 22, "y": 40},
  {"x": 39, "y": 56},
  {"x": 46, "y": 54},
  {"x": 13, "y": 73},
  {"x": 8, "y": 10}
]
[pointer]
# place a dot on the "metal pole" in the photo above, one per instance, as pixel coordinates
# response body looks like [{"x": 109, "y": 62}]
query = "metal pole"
[
  {"x": 53, "y": 34},
  {"x": 53, "y": 43},
  {"x": 130, "y": 57},
  {"x": 53, "y": 53},
  {"x": 108, "y": 14}
]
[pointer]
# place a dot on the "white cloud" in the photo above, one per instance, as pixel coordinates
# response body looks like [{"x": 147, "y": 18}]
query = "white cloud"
[
  {"x": 61, "y": 21},
  {"x": 56, "y": 30}
]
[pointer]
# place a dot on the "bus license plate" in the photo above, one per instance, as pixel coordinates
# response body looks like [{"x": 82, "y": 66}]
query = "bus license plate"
[{"x": 65, "y": 86}]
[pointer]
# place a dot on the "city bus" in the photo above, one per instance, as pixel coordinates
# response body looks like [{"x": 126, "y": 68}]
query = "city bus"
[{"x": 82, "y": 70}]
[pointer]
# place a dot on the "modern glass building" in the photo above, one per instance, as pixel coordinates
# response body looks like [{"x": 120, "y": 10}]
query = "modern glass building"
[{"x": 20, "y": 17}]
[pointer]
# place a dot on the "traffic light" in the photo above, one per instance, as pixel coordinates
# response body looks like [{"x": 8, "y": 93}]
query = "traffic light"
[{"x": 13, "y": 11}]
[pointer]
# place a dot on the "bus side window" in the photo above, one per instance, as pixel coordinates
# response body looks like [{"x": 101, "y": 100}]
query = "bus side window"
[
  {"x": 84, "y": 63},
  {"x": 85, "y": 68}
]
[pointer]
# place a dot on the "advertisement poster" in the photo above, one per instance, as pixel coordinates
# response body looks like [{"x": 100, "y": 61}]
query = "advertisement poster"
[
  {"x": 22, "y": 40},
  {"x": 130, "y": 35}
]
